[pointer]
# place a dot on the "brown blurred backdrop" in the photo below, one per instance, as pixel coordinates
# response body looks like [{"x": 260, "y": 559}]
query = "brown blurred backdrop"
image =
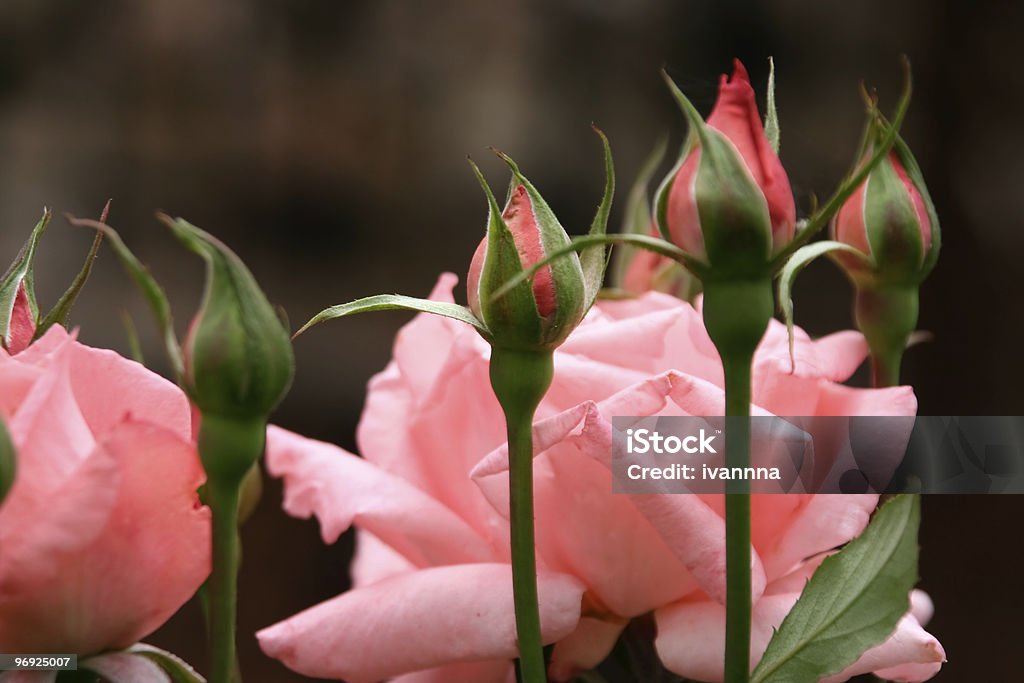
[{"x": 326, "y": 142}]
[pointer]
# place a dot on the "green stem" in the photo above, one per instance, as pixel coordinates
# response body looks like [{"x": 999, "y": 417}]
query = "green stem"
[
  {"x": 737, "y": 522},
  {"x": 520, "y": 379},
  {"x": 736, "y": 314},
  {"x": 887, "y": 316},
  {"x": 228, "y": 447},
  {"x": 223, "y": 584}
]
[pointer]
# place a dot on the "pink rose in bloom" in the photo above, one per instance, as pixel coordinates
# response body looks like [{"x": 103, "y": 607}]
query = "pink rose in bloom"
[
  {"x": 102, "y": 536},
  {"x": 432, "y": 600},
  {"x": 735, "y": 116}
]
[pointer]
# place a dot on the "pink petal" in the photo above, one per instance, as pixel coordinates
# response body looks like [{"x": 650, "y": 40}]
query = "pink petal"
[
  {"x": 22, "y": 324},
  {"x": 821, "y": 523},
  {"x": 909, "y": 654},
  {"x": 148, "y": 557},
  {"x": 342, "y": 489},
  {"x": 375, "y": 560},
  {"x": 584, "y": 648},
  {"x": 692, "y": 530},
  {"x": 489, "y": 671},
  {"x": 122, "y": 667},
  {"x": 691, "y": 634},
  {"x": 422, "y": 620},
  {"x": 140, "y": 393},
  {"x": 582, "y": 528}
]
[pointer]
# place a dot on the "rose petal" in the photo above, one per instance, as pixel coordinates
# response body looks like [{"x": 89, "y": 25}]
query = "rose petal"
[
  {"x": 342, "y": 489},
  {"x": 104, "y": 601},
  {"x": 417, "y": 621},
  {"x": 909, "y": 654},
  {"x": 122, "y": 667},
  {"x": 490, "y": 671}
]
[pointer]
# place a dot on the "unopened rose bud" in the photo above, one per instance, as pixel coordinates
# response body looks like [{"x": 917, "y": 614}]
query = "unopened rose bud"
[
  {"x": 728, "y": 201},
  {"x": 535, "y": 315},
  {"x": 890, "y": 219},
  {"x": 891, "y": 222},
  {"x": 237, "y": 357},
  {"x": 18, "y": 309}
]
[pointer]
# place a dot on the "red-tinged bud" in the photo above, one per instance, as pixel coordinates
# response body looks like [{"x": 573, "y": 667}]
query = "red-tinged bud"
[
  {"x": 728, "y": 201},
  {"x": 534, "y": 315},
  {"x": 890, "y": 219}
]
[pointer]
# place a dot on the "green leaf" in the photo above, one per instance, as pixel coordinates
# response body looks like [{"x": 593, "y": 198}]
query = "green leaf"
[
  {"x": 19, "y": 276},
  {"x": 771, "y": 116},
  {"x": 176, "y": 667},
  {"x": 593, "y": 259},
  {"x": 797, "y": 262},
  {"x": 391, "y": 302},
  {"x": 852, "y": 602},
  {"x": 8, "y": 461},
  {"x": 151, "y": 290},
  {"x": 58, "y": 315}
]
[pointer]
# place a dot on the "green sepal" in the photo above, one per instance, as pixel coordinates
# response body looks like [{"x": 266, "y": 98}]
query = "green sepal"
[
  {"x": 512, "y": 319},
  {"x": 147, "y": 284},
  {"x": 787, "y": 276},
  {"x": 893, "y": 232},
  {"x": 652, "y": 244},
  {"x": 8, "y": 461},
  {"x": 238, "y": 356},
  {"x": 913, "y": 170},
  {"x": 852, "y": 181},
  {"x": 20, "y": 275},
  {"x": 58, "y": 315},
  {"x": 391, "y": 302},
  {"x": 594, "y": 260},
  {"x": 637, "y": 218},
  {"x": 771, "y": 116},
  {"x": 567, "y": 274},
  {"x": 732, "y": 209},
  {"x": 132, "y": 334},
  {"x": 853, "y": 601}
]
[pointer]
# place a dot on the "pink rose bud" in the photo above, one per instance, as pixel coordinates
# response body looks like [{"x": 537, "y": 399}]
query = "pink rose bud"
[
  {"x": 728, "y": 201},
  {"x": 533, "y": 315},
  {"x": 890, "y": 219},
  {"x": 891, "y": 222},
  {"x": 18, "y": 308}
]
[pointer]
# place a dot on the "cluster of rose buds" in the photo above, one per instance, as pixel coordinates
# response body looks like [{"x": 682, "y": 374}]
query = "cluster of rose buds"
[{"x": 451, "y": 548}]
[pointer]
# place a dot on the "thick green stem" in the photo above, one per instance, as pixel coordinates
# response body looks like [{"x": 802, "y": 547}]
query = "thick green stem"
[
  {"x": 887, "y": 316},
  {"x": 223, "y": 584},
  {"x": 228, "y": 447},
  {"x": 737, "y": 522},
  {"x": 520, "y": 379},
  {"x": 736, "y": 314}
]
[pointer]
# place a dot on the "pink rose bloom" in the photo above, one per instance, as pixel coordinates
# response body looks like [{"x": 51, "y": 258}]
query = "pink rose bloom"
[
  {"x": 102, "y": 536},
  {"x": 432, "y": 598}
]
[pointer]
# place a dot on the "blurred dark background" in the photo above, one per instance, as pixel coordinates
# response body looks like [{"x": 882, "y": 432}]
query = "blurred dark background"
[{"x": 326, "y": 142}]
